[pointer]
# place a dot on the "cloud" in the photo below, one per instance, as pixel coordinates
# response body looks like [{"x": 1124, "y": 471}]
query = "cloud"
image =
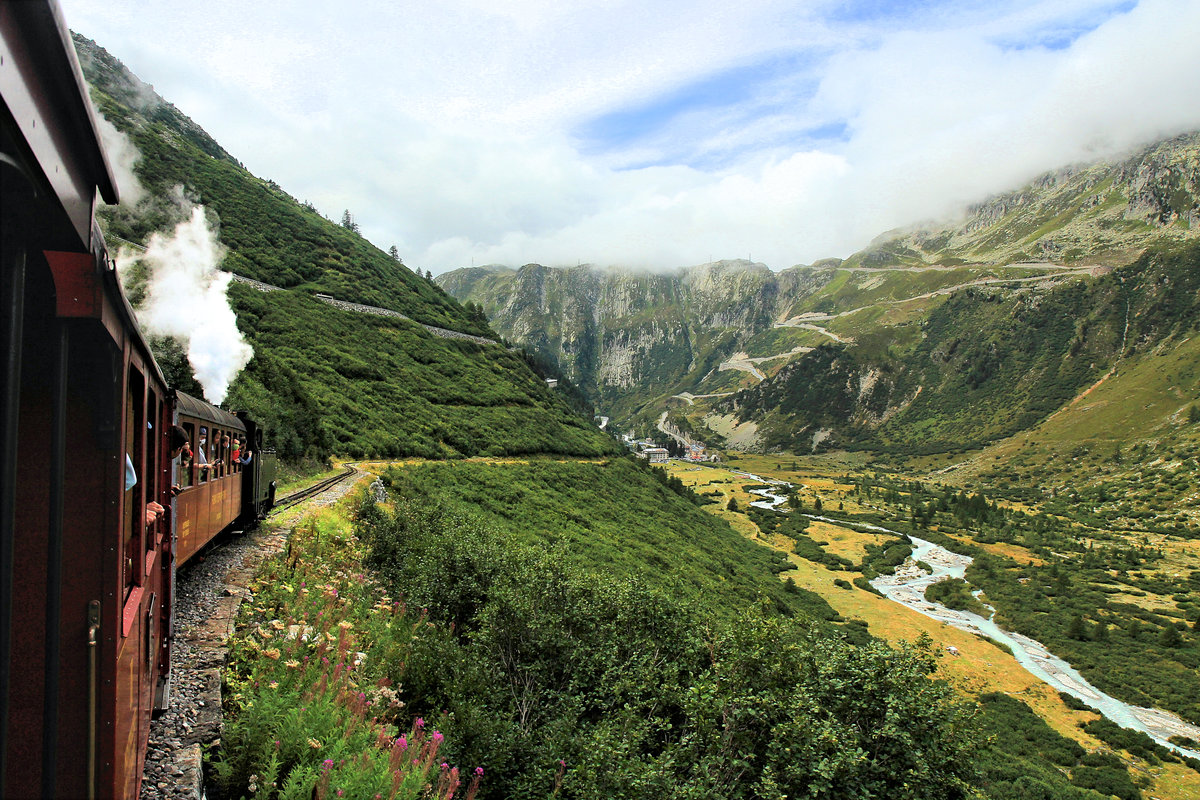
[{"x": 662, "y": 133}]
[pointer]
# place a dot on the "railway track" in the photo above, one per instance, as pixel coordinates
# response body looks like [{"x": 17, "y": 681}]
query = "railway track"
[{"x": 298, "y": 497}]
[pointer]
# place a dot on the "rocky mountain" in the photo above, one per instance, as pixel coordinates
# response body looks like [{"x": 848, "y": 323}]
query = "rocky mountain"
[
  {"x": 640, "y": 343},
  {"x": 622, "y": 335},
  {"x": 1106, "y": 211}
]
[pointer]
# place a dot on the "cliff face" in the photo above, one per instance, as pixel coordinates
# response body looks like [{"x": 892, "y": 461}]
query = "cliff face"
[{"x": 615, "y": 332}]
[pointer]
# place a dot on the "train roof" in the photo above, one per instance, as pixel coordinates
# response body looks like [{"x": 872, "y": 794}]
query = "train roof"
[
  {"x": 46, "y": 99},
  {"x": 195, "y": 407}
]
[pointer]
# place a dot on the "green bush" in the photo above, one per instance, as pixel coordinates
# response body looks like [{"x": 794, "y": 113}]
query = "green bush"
[{"x": 639, "y": 694}]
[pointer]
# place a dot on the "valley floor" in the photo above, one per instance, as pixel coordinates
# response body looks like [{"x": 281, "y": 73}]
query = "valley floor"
[{"x": 973, "y": 661}]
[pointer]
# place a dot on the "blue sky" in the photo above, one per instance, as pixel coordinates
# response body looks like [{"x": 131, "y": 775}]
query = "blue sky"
[{"x": 660, "y": 132}]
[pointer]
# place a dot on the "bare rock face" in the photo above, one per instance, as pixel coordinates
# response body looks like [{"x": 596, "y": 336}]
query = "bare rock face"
[
  {"x": 1164, "y": 186},
  {"x": 612, "y": 330}
]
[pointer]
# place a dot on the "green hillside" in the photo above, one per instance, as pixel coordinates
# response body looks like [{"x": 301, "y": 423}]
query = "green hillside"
[
  {"x": 383, "y": 387},
  {"x": 326, "y": 380},
  {"x": 989, "y": 362},
  {"x": 620, "y": 517},
  {"x": 589, "y": 627}
]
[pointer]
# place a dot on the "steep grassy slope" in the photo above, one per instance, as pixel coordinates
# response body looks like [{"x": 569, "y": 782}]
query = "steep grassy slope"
[
  {"x": 385, "y": 387},
  {"x": 323, "y": 379}
]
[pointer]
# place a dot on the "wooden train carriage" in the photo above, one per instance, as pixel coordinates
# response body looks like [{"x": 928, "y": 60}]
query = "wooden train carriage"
[
  {"x": 83, "y": 579},
  {"x": 211, "y": 482}
]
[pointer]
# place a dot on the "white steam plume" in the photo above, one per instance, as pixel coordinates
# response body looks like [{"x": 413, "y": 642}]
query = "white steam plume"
[
  {"x": 185, "y": 299},
  {"x": 122, "y": 155}
]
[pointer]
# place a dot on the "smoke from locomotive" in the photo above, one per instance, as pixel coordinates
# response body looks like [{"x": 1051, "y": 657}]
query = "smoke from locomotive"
[{"x": 186, "y": 299}]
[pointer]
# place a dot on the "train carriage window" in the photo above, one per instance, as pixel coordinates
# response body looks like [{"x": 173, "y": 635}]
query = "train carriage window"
[
  {"x": 214, "y": 452},
  {"x": 200, "y": 448},
  {"x": 223, "y": 444},
  {"x": 185, "y": 466},
  {"x": 137, "y": 478},
  {"x": 219, "y": 446},
  {"x": 154, "y": 477}
]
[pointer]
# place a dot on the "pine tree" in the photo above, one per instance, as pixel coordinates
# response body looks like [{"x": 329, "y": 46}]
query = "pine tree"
[{"x": 348, "y": 221}]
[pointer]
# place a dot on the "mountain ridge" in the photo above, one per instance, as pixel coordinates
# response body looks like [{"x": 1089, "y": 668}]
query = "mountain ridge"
[{"x": 723, "y": 327}]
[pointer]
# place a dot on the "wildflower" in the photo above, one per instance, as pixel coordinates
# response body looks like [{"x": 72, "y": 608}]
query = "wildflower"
[
  {"x": 445, "y": 765},
  {"x": 272, "y": 654},
  {"x": 277, "y": 744},
  {"x": 314, "y": 744},
  {"x": 420, "y": 723},
  {"x": 345, "y": 624},
  {"x": 326, "y": 765},
  {"x": 403, "y": 742},
  {"x": 437, "y": 737},
  {"x": 291, "y": 663},
  {"x": 479, "y": 771},
  {"x": 273, "y": 685}
]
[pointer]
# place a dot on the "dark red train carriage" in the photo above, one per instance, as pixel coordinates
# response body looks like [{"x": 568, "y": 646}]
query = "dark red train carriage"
[{"x": 85, "y": 579}]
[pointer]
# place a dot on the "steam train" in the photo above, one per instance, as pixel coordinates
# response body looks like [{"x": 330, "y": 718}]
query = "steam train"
[{"x": 86, "y": 574}]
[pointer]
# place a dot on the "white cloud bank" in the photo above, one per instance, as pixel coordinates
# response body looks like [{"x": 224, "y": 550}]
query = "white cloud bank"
[{"x": 453, "y": 131}]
